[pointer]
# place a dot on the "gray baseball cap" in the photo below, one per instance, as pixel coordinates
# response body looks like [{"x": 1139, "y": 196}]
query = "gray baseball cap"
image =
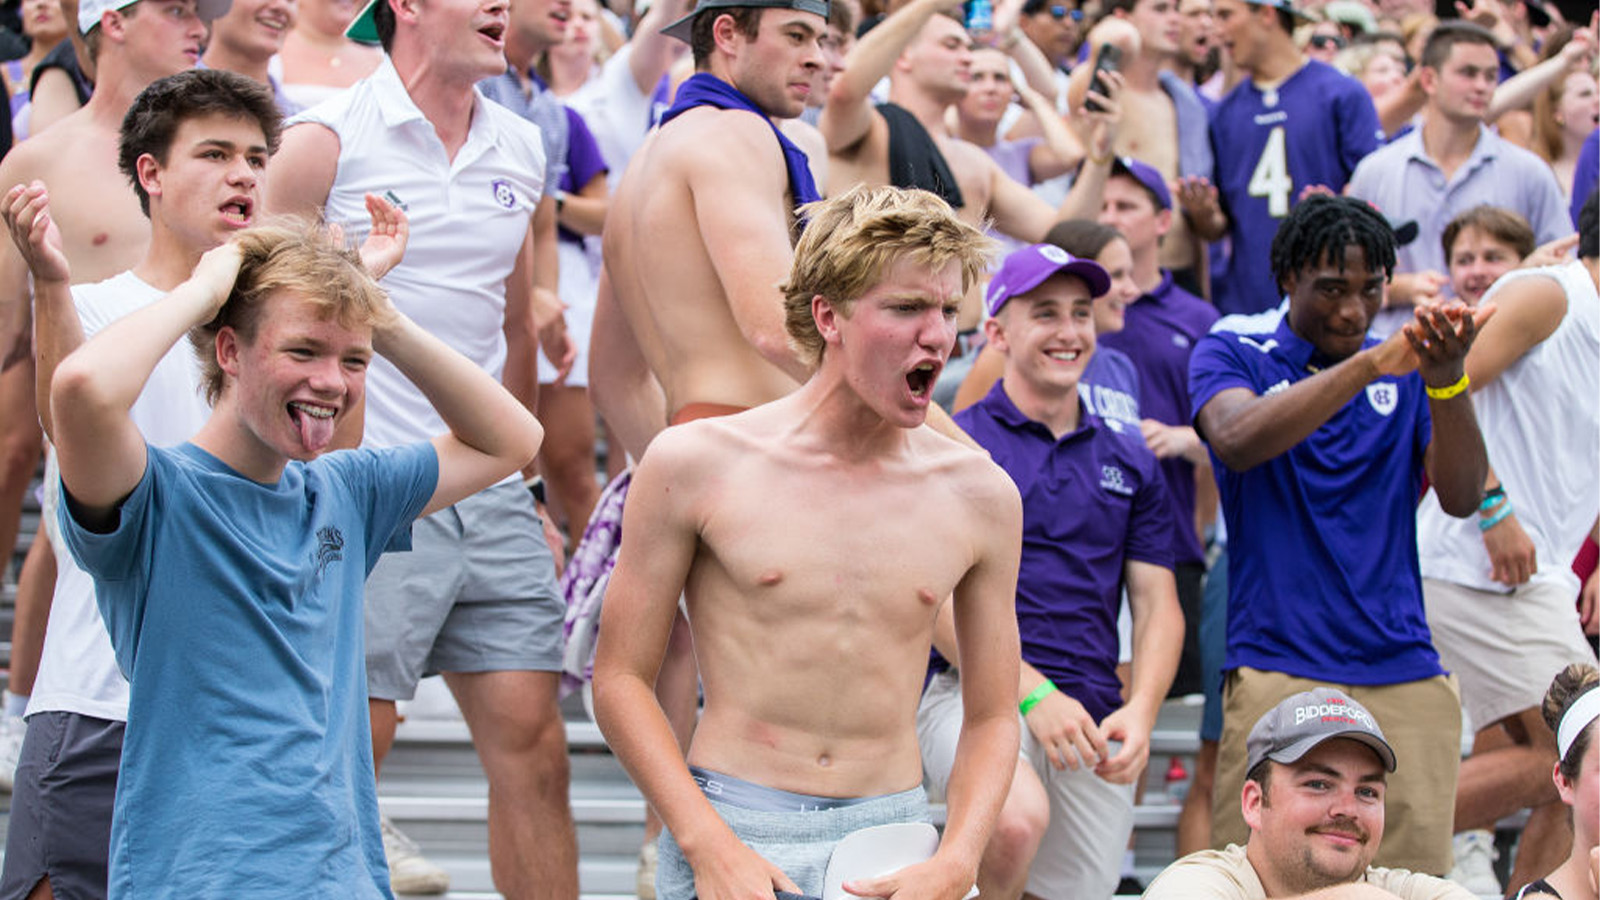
[
  {"x": 1292, "y": 728},
  {"x": 682, "y": 28}
]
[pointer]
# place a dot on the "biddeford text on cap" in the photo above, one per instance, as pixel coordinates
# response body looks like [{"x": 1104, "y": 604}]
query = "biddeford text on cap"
[{"x": 1292, "y": 728}]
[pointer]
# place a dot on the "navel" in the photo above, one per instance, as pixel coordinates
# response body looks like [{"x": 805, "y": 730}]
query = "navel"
[{"x": 824, "y": 760}]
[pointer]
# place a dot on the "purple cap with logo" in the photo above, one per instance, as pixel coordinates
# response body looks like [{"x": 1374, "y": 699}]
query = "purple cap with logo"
[
  {"x": 1145, "y": 174},
  {"x": 1027, "y": 268},
  {"x": 1292, "y": 728}
]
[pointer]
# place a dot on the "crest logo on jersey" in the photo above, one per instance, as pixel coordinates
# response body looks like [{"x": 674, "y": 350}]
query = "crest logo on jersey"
[
  {"x": 1383, "y": 395},
  {"x": 503, "y": 194}
]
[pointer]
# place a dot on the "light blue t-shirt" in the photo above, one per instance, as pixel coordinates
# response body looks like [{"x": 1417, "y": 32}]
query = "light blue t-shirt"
[{"x": 235, "y": 609}]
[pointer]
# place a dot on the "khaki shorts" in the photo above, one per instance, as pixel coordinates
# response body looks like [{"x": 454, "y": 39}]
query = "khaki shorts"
[
  {"x": 1504, "y": 648},
  {"x": 1422, "y": 722},
  {"x": 1091, "y": 819}
]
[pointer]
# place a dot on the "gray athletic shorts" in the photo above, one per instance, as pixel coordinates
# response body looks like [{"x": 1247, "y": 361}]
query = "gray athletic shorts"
[
  {"x": 61, "y": 806},
  {"x": 477, "y": 593},
  {"x": 799, "y": 843}
]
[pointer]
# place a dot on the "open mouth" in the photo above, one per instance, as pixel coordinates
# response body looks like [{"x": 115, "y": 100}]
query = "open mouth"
[
  {"x": 1066, "y": 356},
  {"x": 494, "y": 32},
  {"x": 920, "y": 379},
  {"x": 238, "y": 212},
  {"x": 314, "y": 422}
]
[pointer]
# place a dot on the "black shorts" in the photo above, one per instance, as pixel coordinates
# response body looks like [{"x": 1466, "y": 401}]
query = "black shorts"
[{"x": 61, "y": 806}]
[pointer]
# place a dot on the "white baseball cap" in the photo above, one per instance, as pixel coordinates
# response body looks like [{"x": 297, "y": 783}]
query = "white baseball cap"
[{"x": 90, "y": 11}]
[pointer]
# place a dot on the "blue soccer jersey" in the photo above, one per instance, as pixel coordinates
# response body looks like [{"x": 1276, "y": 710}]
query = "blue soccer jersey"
[{"x": 1272, "y": 144}]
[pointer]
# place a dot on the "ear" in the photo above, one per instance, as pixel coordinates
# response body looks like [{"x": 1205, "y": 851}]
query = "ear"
[
  {"x": 1250, "y": 803},
  {"x": 112, "y": 25},
  {"x": 1566, "y": 789},
  {"x": 995, "y": 333},
  {"x": 1427, "y": 79},
  {"x": 724, "y": 33},
  {"x": 827, "y": 318},
  {"x": 229, "y": 348},
  {"x": 149, "y": 172},
  {"x": 405, "y": 10},
  {"x": 1163, "y": 221}
]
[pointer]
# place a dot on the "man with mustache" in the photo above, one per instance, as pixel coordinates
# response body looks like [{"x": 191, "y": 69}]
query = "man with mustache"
[{"x": 1314, "y": 801}]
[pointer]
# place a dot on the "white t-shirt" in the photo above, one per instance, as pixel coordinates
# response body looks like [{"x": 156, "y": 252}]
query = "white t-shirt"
[
  {"x": 77, "y": 670},
  {"x": 1228, "y": 875},
  {"x": 616, "y": 111},
  {"x": 1541, "y": 425},
  {"x": 469, "y": 217}
]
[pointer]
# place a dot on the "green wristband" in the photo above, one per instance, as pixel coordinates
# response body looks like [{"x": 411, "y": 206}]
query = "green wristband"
[{"x": 1034, "y": 696}]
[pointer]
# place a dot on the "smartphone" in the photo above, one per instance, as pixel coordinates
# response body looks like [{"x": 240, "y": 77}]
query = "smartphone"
[{"x": 1109, "y": 58}]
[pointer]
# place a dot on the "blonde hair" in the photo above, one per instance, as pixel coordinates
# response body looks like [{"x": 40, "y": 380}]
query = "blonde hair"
[
  {"x": 853, "y": 239},
  {"x": 299, "y": 257}
]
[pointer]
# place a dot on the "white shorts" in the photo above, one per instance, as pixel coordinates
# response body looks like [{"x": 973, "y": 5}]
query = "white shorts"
[
  {"x": 1505, "y": 649},
  {"x": 1091, "y": 819}
]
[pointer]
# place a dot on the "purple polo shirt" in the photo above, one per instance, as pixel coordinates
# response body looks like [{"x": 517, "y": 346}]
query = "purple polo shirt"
[
  {"x": 1160, "y": 332},
  {"x": 1091, "y": 501}
]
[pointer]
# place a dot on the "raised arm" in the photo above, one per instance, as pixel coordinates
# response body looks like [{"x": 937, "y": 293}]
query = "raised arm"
[
  {"x": 302, "y": 171},
  {"x": 653, "y": 52},
  {"x": 56, "y": 328},
  {"x": 1456, "y": 458},
  {"x": 847, "y": 116},
  {"x": 491, "y": 433},
  {"x": 99, "y": 449},
  {"x": 641, "y": 602}
]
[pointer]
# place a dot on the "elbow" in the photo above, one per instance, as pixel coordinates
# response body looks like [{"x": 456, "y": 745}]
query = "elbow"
[
  {"x": 74, "y": 386},
  {"x": 532, "y": 439},
  {"x": 1461, "y": 502},
  {"x": 1234, "y": 454}
]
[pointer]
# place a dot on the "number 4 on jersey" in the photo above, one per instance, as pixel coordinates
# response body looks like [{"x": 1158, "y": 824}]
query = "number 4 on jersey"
[{"x": 1271, "y": 177}]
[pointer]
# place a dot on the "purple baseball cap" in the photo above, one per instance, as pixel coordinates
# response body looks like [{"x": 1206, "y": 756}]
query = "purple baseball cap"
[
  {"x": 1145, "y": 174},
  {"x": 1292, "y": 728},
  {"x": 1027, "y": 268}
]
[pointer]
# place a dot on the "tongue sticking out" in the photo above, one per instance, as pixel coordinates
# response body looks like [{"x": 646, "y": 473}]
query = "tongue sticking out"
[{"x": 315, "y": 433}]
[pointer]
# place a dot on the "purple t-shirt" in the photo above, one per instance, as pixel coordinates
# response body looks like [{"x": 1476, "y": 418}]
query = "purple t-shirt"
[
  {"x": 584, "y": 162},
  {"x": 1269, "y": 146},
  {"x": 1110, "y": 389},
  {"x": 1160, "y": 332},
  {"x": 1091, "y": 501}
]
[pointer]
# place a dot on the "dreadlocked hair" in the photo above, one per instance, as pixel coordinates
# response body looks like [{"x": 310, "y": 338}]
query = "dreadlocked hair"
[{"x": 1321, "y": 227}]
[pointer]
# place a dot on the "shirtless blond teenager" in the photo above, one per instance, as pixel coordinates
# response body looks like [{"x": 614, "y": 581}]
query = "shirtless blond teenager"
[
  {"x": 102, "y": 230},
  {"x": 811, "y": 606}
]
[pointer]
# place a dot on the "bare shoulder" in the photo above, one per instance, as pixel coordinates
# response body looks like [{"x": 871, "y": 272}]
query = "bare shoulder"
[
  {"x": 691, "y": 450},
  {"x": 33, "y": 157},
  {"x": 745, "y": 141},
  {"x": 970, "y": 476}
]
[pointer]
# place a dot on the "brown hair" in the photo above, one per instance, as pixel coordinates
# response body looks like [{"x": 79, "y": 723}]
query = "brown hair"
[
  {"x": 851, "y": 240},
  {"x": 702, "y": 38},
  {"x": 300, "y": 257},
  {"x": 1573, "y": 682},
  {"x": 1497, "y": 222}
]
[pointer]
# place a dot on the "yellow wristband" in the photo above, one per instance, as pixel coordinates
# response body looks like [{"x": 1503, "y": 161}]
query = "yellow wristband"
[
  {"x": 1100, "y": 160},
  {"x": 1445, "y": 393}
]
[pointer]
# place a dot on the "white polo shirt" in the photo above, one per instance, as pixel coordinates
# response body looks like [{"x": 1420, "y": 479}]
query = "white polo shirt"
[{"x": 468, "y": 216}]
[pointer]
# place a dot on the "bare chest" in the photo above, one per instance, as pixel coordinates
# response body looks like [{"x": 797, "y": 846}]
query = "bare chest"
[
  {"x": 1149, "y": 130},
  {"x": 102, "y": 230}
]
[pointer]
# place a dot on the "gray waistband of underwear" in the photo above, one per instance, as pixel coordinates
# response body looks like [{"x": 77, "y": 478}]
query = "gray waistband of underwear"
[{"x": 746, "y": 795}]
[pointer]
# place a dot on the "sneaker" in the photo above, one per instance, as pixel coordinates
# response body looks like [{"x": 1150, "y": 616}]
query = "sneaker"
[
  {"x": 645, "y": 880},
  {"x": 409, "y": 871},
  {"x": 12, "y": 728},
  {"x": 1474, "y": 868}
]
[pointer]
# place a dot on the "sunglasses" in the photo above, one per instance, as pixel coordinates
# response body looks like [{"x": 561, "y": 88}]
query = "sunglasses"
[
  {"x": 1061, "y": 12},
  {"x": 1324, "y": 41}
]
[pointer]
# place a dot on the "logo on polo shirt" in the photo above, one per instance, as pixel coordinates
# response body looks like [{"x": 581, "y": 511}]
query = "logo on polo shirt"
[
  {"x": 1264, "y": 346},
  {"x": 1383, "y": 395},
  {"x": 1112, "y": 479},
  {"x": 503, "y": 194}
]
